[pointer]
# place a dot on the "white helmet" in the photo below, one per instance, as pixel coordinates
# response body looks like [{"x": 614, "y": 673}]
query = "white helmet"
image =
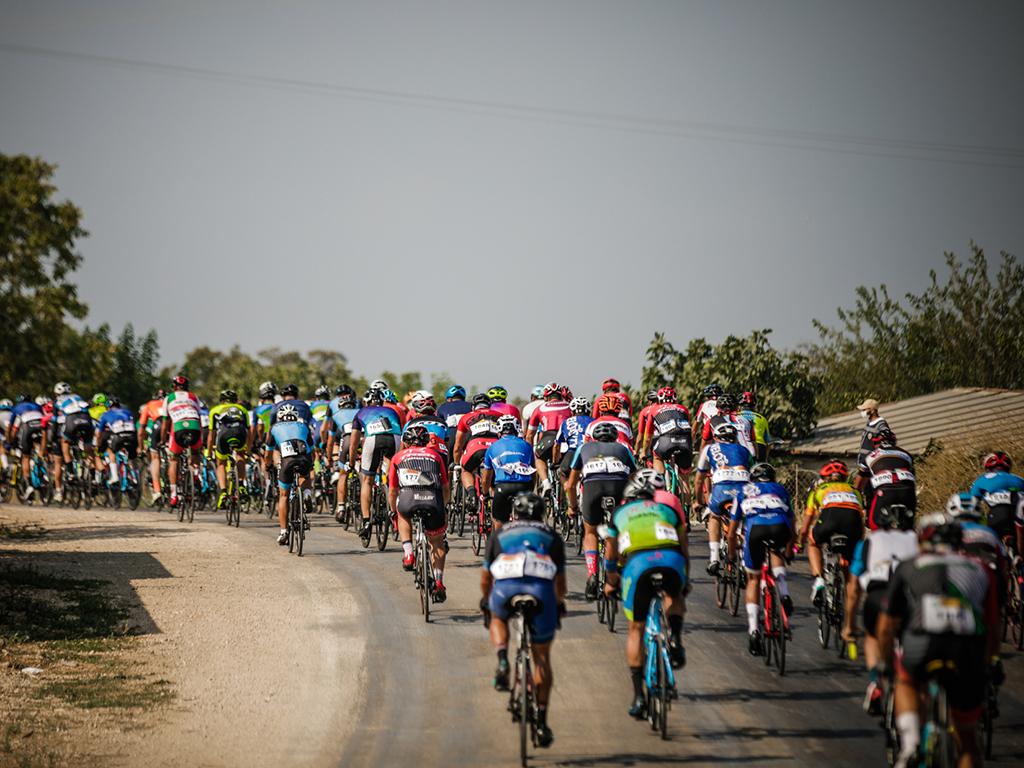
[
  {"x": 579, "y": 405},
  {"x": 422, "y": 401},
  {"x": 963, "y": 505},
  {"x": 508, "y": 424},
  {"x": 378, "y": 384},
  {"x": 61, "y": 388},
  {"x": 42, "y": 400},
  {"x": 6, "y": 403}
]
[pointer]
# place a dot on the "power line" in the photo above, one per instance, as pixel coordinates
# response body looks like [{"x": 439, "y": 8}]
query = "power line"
[{"x": 979, "y": 155}]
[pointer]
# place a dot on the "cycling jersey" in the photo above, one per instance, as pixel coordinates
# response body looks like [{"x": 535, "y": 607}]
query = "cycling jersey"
[
  {"x": 262, "y": 413},
  {"x": 294, "y": 405},
  {"x": 725, "y": 462},
  {"x": 6, "y": 416},
  {"x": 96, "y": 411},
  {"x": 981, "y": 541},
  {"x": 150, "y": 415},
  {"x": 625, "y": 436},
  {"x": 506, "y": 409},
  {"x": 341, "y": 418},
  {"x": 760, "y": 425},
  {"x": 118, "y": 421},
  {"x": 548, "y": 416},
  {"x": 570, "y": 434},
  {"x": 643, "y": 420},
  {"x": 665, "y": 419},
  {"x": 603, "y": 461},
  {"x": 1002, "y": 493},
  {"x": 744, "y": 429},
  {"x": 373, "y": 420},
  {"x": 879, "y": 553},
  {"x": 511, "y": 460},
  {"x": 226, "y": 415},
  {"x": 765, "y": 513},
  {"x": 69, "y": 405},
  {"x": 451, "y": 411},
  {"x": 479, "y": 424},
  {"x": 183, "y": 410},
  {"x": 528, "y": 410},
  {"x": 319, "y": 410},
  {"x": 26, "y": 414},
  {"x": 625, "y": 406},
  {"x": 291, "y": 438},
  {"x": 706, "y": 410},
  {"x": 420, "y": 474},
  {"x": 646, "y": 524},
  {"x": 828, "y": 495},
  {"x": 887, "y": 466}
]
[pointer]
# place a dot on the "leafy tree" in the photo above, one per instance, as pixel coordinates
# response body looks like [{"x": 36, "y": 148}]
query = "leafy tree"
[
  {"x": 133, "y": 370},
  {"x": 782, "y": 381},
  {"x": 965, "y": 331}
]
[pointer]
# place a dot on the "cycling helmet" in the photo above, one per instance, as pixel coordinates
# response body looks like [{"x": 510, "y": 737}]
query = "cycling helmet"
[
  {"x": 565, "y": 393},
  {"x": 963, "y": 506},
  {"x": 114, "y": 401},
  {"x": 610, "y": 384},
  {"x": 347, "y": 400},
  {"x": 160, "y": 393},
  {"x": 389, "y": 396},
  {"x": 726, "y": 433},
  {"x": 6, "y": 403},
  {"x": 288, "y": 412},
  {"x": 762, "y": 472},
  {"x": 508, "y": 425},
  {"x": 894, "y": 517},
  {"x": 61, "y": 388},
  {"x": 579, "y": 405},
  {"x": 423, "y": 402},
  {"x": 527, "y": 506},
  {"x": 344, "y": 390},
  {"x": 651, "y": 396},
  {"x": 48, "y": 408},
  {"x": 454, "y": 391},
  {"x": 727, "y": 402},
  {"x": 667, "y": 395},
  {"x": 998, "y": 460},
  {"x": 290, "y": 389},
  {"x": 748, "y": 399},
  {"x": 180, "y": 382},
  {"x": 939, "y": 530},
  {"x": 549, "y": 389},
  {"x": 42, "y": 400},
  {"x": 481, "y": 401},
  {"x": 537, "y": 393},
  {"x": 605, "y": 432},
  {"x": 607, "y": 404},
  {"x": 229, "y": 396},
  {"x": 834, "y": 467},
  {"x": 321, "y": 392},
  {"x": 267, "y": 390},
  {"x": 498, "y": 394},
  {"x": 19, "y": 399},
  {"x": 378, "y": 384},
  {"x": 643, "y": 484},
  {"x": 884, "y": 438},
  {"x": 711, "y": 391},
  {"x": 374, "y": 397},
  {"x": 99, "y": 399},
  {"x": 416, "y": 434},
  {"x": 202, "y": 404}
]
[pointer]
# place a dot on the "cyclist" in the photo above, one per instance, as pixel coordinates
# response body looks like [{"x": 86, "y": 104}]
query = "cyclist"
[
  {"x": 525, "y": 557},
  {"x": 642, "y": 447},
  {"x": 99, "y": 406},
  {"x": 24, "y": 429},
  {"x": 290, "y": 398},
  {"x": 229, "y": 431},
  {"x": 261, "y": 413},
  {"x": 508, "y": 468},
  {"x": 115, "y": 431},
  {"x": 762, "y": 508},
  {"x": 74, "y": 423},
  {"x": 608, "y": 409},
  {"x": 338, "y": 431},
  {"x": 6, "y": 415},
  {"x": 542, "y": 429},
  {"x": 668, "y": 432},
  {"x": 291, "y": 439},
  {"x": 423, "y": 410},
  {"x": 727, "y": 413},
  {"x": 382, "y": 426},
  {"x": 318, "y": 408},
  {"x": 603, "y": 465},
  {"x": 833, "y": 506},
  {"x": 874, "y": 561},
  {"x": 570, "y": 435},
  {"x": 473, "y": 436},
  {"x": 498, "y": 396},
  {"x": 890, "y": 473},
  {"x": 418, "y": 482},
  {"x": 536, "y": 398},
  {"x": 943, "y": 607},
  {"x": 762, "y": 437},
  {"x": 873, "y": 425},
  {"x": 610, "y": 387},
  {"x": 452, "y": 409},
  {"x": 391, "y": 401},
  {"x": 997, "y": 487},
  {"x": 722, "y": 471},
  {"x": 648, "y": 538},
  {"x": 708, "y": 407},
  {"x": 150, "y": 419},
  {"x": 183, "y": 426}
]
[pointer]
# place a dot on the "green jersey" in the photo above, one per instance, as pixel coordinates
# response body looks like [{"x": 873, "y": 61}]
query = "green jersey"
[{"x": 646, "y": 524}]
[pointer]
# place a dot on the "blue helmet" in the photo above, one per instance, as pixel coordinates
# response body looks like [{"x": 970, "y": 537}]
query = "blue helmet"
[
  {"x": 455, "y": 390},
  {"x": 389, "y": 396}
]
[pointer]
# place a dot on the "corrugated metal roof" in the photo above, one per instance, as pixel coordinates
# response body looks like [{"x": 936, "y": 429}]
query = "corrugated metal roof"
[{"x": 919, "y": 420}]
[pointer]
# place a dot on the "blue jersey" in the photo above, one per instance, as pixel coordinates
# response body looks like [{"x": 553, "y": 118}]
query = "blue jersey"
[
  {"x": 26, "y": 413},
  {"x": 341, "y": 418},
  {"x": 570, "y": 434},
  {"x": 451, "y": 411},
  {"x": 762, "y": 504},
  {"x": 434, "y": 425},
  {"x": 525, "y": 537},
  {"x": 290, "y": 437},
  {"x": 995, "y": 488},
  {"x": 726, "y": 462},
  {"x": 301, "y": 407},
  {"x": 511, "y": 460},
  {"x": 69, "y": 404},
  {"x": 376, "y": 420},
  {"x": 117, "y": 420}
]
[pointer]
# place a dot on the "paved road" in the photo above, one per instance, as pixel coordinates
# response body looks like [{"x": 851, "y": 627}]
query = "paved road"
[{"x": 427, "y": 699}]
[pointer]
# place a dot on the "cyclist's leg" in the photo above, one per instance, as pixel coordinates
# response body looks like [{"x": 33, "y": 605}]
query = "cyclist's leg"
[
  {"x": 285, "y": 479},
  {"x": 435, "y": 527},
  {"x": 754, "y": 553},
  {"x": 368, "y": 466}
]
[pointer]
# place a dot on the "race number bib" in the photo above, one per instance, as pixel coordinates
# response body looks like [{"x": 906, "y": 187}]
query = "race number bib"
[
  {"x": 377, "y": 427},
  {"x": 518, "y": 468},
  {"x": 184, "y": 412},
  {"x": 31, "y": 417},
  {"x": 483, "y": 427},
  {"x": 121, "y": 427},
  {"x": 839, "y": 498},
  {"x": 665, "y": 532},
  {"x": 347, "y": 429},
  {"x": 605, "y": 465},
  {"x": 891, "y": 477},
  {"x": 671, "y": 425},
  {"x": 412, "y": 478},
  {"x": 731, "y": 475},
  {"x": 292, "y": 448},
  {"x": 523, "y": 564},
  {"x": 453, "y": 419},
  {"x": 946, "y": 615},
  {"x": 997, "y": 498}
]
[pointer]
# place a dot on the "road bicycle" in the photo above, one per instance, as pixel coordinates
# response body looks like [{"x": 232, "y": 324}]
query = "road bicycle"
[
  {"x": 607, "y": 605},
  {"x": 77, "y": 478},
  {"x": 938, "y": 748},
  {"x": 831, "y": 608},
  {"x": 482, "y": 523},
  {"x": 270, "y": 492},
  {"x": 186, "y": 486},
  {"x": 423, "y": 575},
  {"x": 659, "y": 677},
  {"x": 298, "y": 519},
  {"x": 730, "y": 583},
  {"x": 456, "y": 504},
  {"x": 232, "y": 501},
  {"x": 1013, "y": 603},
  {"x": 126, "y": 483},
  {"x": 523, "y": 696},
  {"x": 773, "y": 618}
]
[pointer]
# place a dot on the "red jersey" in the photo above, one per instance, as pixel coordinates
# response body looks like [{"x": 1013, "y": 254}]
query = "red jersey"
[
  {"x": 625, "y": 413},
  {"x": 642, "y": 426},
  {"x": 417, "y": 467},
  {"x": 666, "y": 417},
  {"x": 506, "y": 408},
  {"x": 548, "y": 416},
  {"x": 400, "y": 410},
  {"x": 625, "y": 431},
  {"x": 479, "y": 423}
]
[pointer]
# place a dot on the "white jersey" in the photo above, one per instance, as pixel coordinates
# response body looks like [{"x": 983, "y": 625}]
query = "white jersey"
[
  {"x": 528, "y": 410},
  {"x": 882, "y": 552}
]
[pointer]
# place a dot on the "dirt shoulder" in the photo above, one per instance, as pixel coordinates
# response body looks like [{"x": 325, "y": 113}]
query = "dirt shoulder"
[{"x": 167, "y": 644}]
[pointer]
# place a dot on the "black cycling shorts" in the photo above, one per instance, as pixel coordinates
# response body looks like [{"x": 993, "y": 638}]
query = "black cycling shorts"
[
  {"x": 425, "y": 501},
  {"x": 675, "y": 447},
  {"x": 471, "y": 462},
  {"x": 78, "y": 426},
  {"x": 563, "y": 465},
  {"x": 887, "y": 495},
  {"x": 28, "y": 434},
  {"x": 232, "y": 433},
  {"x": 376, "y": 448},
  {"x": 292, "y": 467},
  {"x": 596, "y": 490},
  {"x": 1002, "y": 519},
  {"x": 873, "y": 606},
  {"x": 965, "y": 687},
  {"x": 545, "y": 443},
  {"x": 757, "y": 542},
  {"x": 124, "y": 441},
  {"x": 501, "y": 508},
  {"x": 846, "y": 522}
]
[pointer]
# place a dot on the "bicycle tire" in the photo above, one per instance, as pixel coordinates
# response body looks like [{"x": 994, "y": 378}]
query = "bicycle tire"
[
  {"x": 134, "y": 489},
  {"x": 291, "y": 521},
  {"x": 892, "y": 734},
  {"x": 721, "y": 586},
  {"x": 300, "y": 502},
  {"x": 87, "y": 489},
  {"x": 525, "y": 675},
  {"x": 190, "y": 485},
  {"x": 662, "y": 688},
  {"x": 780, "y": 631},
  {"x": 838, "y": 606},
  {"x": 613, "y": 610},
  {"x": 426, "y": 576},
  {"x": 736, "y": 587},
  {"x": 824, "y": 624},
  {"x": 380, "y": 518},
  {"x": 578, "y": 532}
]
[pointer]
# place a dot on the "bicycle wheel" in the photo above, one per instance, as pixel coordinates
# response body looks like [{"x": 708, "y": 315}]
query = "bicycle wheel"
[
  {"x": 292, "y": 516},
  {"x": 824, "y": 623},
  {"x": 612, "y": 612},
  {"x": 425, "y": 575},
  {"x": 190, "y": 486},
  {"x": 86, "y": 482},
  {"x": 721, "y": 585},
  {"x": 133, "y": 491},
  {"x": 300, "y": 522},
  {"x": 380, "y": 518},
  {"x": 602, "y": 600},
  {"x": 779, "y": 631},
  {"x": 662, "y": 687},
  {"x": 892, "y": 733},
  {"x": 838, "y": 605},
  {"x": 736, "y": 587},
  {"x": 525, "y": 675},
  {"x": 578, "y": 532}
]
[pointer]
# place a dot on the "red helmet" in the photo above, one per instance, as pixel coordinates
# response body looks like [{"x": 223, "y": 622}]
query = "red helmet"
[
  {"x": 551, "y": 388},
  {"x": 179, "y": 382},
  {"x": 610, "y": 385},
  {"x": 565, "y": 393},
  {"x": 747, "y": 400},
  {"x": 998, "y": 460},
  {"x": 607, "y": 404},
  {"x": 667, "y": 395},
  {"x": 835, "y": 467}
]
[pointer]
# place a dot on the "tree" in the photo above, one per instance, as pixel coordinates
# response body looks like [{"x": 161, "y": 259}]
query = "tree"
[
  {"x": 966, "y": 331},
  {"x": 133, "y": 372},
  {"x": 782, "y": 380}
]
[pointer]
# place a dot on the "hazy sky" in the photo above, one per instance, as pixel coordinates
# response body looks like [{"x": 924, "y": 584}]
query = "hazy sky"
[{"x": 514, "y": 191}]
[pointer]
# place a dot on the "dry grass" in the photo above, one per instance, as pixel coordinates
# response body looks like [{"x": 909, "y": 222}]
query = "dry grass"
[{"x": 953, "y": 465}]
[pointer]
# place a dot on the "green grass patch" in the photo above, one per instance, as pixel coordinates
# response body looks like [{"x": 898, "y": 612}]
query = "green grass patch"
[{"x": 108, "y": 691}]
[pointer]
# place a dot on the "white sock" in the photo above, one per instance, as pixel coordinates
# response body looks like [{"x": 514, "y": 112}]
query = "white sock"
[
  {"x": 909, "y": 726},
  {"x": 779, "y": 572},
  {"x": 3, "y": 460},
  {"x": 752, "y": 617},
  {"x": 406, "y": 548},
  {"x": 284, "y": 530},
  {"x": 113, "y": 473},
  {"x": 438, "y": 575},
  {"x": 716, "y": 550},
  {"x": 174, "y": 489}
]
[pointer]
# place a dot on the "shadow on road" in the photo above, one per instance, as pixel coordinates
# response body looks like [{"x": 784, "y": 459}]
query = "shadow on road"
[
  {"x": 92, "y": 532},
  {"x": 642, "y": 758},
  {"x": 750, "y": 694}
]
